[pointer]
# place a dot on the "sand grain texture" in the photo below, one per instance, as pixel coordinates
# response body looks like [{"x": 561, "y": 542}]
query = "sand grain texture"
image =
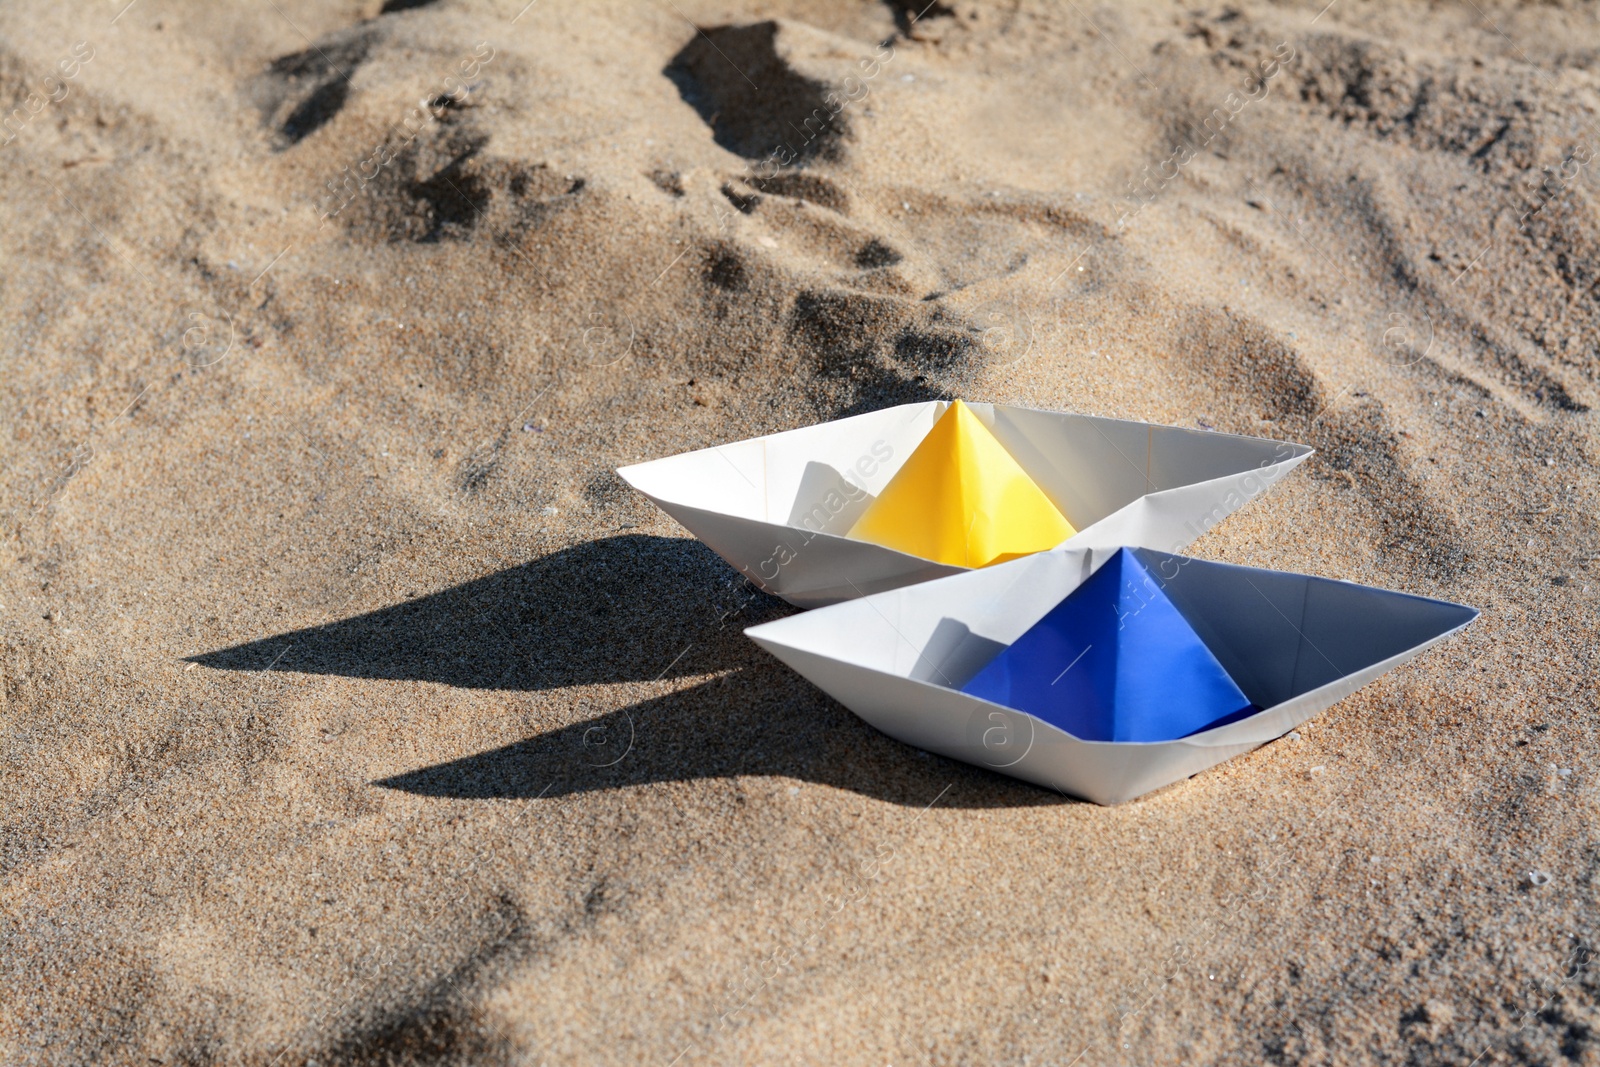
[{"x": 353, "y": 711}]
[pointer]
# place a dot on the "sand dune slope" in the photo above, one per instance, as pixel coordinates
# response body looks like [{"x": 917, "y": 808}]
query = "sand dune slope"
[{"x": 352, "y": 710}]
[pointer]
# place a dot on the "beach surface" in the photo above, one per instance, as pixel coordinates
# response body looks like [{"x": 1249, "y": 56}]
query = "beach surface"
[{"x": 354, "y": 711}]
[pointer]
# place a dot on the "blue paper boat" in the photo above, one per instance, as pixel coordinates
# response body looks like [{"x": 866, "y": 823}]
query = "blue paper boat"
[{"x": 1292, "y": 644}]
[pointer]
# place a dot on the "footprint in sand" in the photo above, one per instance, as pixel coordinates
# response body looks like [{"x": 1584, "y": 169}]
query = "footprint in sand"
[{"x": 300, "y": 93}]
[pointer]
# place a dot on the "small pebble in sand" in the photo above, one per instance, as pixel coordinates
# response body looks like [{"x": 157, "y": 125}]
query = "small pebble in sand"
[
  {"x": 1293, "y": 735},
  {"x": 551, "y": 511},
  {"x": 1537, "y": 878}
]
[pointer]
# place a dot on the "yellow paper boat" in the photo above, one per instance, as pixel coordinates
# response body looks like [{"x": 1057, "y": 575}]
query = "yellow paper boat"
[
  {"x": 781, "y": 508},
  {"x": 962, "y": 499}
]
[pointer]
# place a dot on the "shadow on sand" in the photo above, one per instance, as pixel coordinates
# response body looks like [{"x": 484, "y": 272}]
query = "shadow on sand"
[
  {"x": 632, "y": 608},
  {"x": 760, "y": 719},
  {"x": 614, "y": 610}
]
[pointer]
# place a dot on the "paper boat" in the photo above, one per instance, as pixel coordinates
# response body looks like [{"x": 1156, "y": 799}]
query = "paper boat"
[
  {"x": 778, "y": 507},
  {"x": 1294, "y": 644}
]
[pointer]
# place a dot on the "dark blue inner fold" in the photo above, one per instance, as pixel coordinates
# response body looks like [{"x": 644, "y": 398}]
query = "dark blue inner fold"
[{"x": 1115, "y": 661}]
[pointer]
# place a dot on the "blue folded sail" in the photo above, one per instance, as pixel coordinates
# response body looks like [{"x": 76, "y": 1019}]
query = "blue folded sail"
[{"x": 1114, "y": 661}]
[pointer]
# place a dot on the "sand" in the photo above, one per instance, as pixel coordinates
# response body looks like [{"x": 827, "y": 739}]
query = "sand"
[{"x": 353, "y": 711}]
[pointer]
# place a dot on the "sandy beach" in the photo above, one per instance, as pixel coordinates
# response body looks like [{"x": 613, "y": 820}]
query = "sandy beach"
[{"x": 354, "y": 711}]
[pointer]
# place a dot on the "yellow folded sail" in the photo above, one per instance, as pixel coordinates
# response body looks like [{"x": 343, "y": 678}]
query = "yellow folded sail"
[{"x": 962, "y": 499}]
